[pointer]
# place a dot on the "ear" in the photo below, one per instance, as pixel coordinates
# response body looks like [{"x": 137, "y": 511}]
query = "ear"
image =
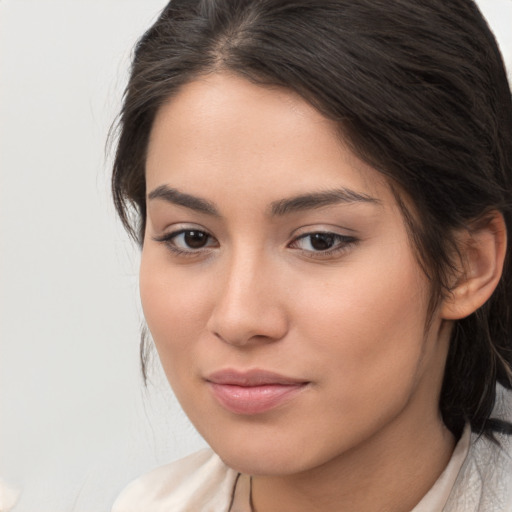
[{"x": 482, "y": 249}]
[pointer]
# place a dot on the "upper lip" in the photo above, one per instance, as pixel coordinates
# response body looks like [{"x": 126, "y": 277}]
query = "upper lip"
[{"x": 255, "y": 377}]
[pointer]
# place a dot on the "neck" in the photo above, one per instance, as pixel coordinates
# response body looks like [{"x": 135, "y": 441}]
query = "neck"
[{"x": 391, "y": 471}]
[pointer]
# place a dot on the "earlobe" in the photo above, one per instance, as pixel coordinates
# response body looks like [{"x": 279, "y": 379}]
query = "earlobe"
[{"x": 482, "y": 249}]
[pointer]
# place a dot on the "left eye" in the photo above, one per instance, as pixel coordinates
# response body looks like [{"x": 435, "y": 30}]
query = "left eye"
[{"x": 321, "y": 242}]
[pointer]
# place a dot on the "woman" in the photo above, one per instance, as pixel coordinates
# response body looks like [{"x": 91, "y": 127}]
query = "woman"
[{"x": 322, "y": 192}]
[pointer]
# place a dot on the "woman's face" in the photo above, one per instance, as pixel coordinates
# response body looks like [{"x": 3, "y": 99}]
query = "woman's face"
[{"x": 279, "y": 283}]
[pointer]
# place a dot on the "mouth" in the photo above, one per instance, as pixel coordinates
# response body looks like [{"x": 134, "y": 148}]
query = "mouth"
[{"x": 254, "y": 391}]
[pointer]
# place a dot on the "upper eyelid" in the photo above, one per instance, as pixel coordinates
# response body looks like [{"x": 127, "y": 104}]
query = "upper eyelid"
[
  {"x": 177, "y": 232},
  {"x": 335, "y": 231},
  {"x": 323, "y": 228},
  {"x": 179, "y": 227},
  {"x": 171, "y": 232},
  {"x": 322, "y": 232}
]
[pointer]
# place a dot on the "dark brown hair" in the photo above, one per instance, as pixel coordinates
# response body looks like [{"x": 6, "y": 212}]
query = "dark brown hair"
[{"x": 419, "y": 91}]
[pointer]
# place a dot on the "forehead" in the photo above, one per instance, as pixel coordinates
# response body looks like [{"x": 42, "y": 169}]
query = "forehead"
[{"x": 225, "y": 129}]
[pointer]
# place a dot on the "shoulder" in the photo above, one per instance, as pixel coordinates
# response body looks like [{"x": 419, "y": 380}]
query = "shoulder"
[
  {"x": 485, "y": 480},
  {"x": 200, "y": 481},
  {"x": 484, "y": 483}
]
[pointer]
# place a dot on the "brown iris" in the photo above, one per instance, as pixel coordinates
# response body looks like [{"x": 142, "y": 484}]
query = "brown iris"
[{"x": 195, "y": 239}]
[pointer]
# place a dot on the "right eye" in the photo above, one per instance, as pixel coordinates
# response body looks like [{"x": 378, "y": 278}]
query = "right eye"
[{"x": 188, "y": 241}]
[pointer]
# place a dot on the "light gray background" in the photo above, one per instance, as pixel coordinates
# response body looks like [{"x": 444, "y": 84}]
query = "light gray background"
[{"x": 76, "y": 424}]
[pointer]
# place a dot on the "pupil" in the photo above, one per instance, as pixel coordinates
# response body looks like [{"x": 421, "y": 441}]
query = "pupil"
[
  {"x": 195, "y": 239},
  {"x": 322, "y": 241}
]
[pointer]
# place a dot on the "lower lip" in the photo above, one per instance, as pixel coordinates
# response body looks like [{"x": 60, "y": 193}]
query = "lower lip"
[{"x": 254, "y": 399}]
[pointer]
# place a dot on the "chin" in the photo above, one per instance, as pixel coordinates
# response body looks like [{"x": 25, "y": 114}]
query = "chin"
[
  {"x": 263, "y": 464},
  {"x": 264, "y": 458}
]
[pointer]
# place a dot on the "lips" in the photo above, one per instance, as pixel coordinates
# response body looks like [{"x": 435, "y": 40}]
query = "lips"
[{"x": 254, "y": 391}]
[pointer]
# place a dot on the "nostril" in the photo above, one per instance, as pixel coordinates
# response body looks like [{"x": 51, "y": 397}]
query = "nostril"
[
  {"x": 243, "y": 310},
  {"x": 244, "y": 334}
]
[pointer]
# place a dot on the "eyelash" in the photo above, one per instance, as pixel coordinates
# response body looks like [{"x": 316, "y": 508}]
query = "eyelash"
[
  {"x": 169, "y": 240},
  {"x": 341, "y": 243}
]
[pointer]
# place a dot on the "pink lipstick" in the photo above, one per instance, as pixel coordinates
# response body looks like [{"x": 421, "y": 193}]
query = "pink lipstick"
[{"x": 254, "y": 391}]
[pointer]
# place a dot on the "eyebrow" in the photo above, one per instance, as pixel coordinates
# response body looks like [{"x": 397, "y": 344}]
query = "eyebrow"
[
  {"x": 319, "y": 200},
  {"x": 174, "y": 196},
  {"x": 277, "y": 208}
]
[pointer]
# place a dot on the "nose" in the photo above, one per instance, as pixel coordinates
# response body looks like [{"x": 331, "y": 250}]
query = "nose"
[{"x": 248, "y": 309}]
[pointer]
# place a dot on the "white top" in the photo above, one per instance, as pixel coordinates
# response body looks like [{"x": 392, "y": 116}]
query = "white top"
[
  {"x": 8, "y": 497},
  {"x": 478, "y": 478}
]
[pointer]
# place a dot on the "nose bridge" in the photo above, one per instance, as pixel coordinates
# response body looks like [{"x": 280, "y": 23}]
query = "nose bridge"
[
  {"x": 248, "y": 306},
  {"x": 241, "y": 274}
]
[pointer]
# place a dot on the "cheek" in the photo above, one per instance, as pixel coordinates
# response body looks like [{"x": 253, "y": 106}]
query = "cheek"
[
  {"x": 369, "y": 328},
  {"x": 175, "y": 308}
]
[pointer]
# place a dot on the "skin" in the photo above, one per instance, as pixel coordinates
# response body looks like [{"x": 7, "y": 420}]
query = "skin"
[{"x": 365, "y": 433}]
